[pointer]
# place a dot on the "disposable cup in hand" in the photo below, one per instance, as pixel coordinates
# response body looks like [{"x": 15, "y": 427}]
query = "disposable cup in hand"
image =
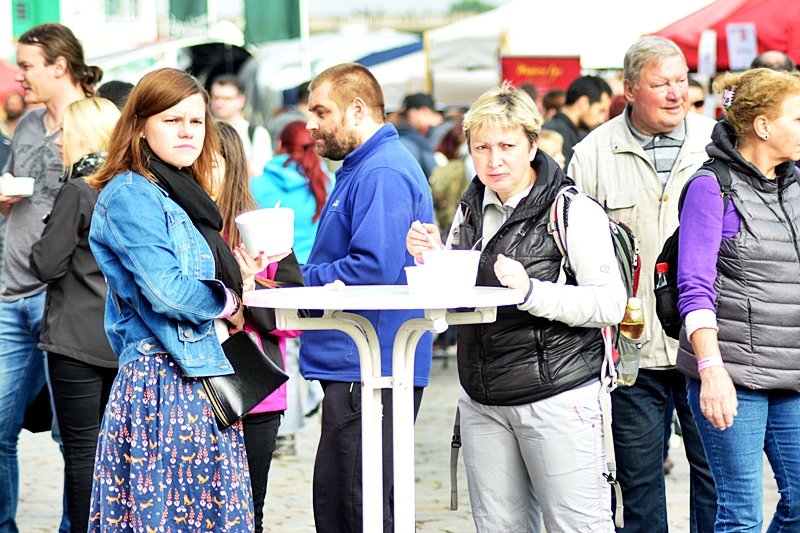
[
  {"x": 19, "y": 186},
  {"x": 269, "y": 230}
]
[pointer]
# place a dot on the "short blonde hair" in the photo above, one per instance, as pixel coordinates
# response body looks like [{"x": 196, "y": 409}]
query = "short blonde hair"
[
  {"x": 506, "y": 107},
  {"x": 91, "y": 120},
  {"x": 759, "y": 91}
]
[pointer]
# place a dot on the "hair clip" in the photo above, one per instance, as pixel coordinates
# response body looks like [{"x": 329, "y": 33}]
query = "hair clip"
[{"x": 727, "y": 97}]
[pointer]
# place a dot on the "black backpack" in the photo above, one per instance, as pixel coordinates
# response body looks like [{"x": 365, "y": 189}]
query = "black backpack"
[{"x": 667, "y": 296}]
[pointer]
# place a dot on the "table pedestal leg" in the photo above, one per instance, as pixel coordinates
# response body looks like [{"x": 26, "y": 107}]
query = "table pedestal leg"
[
  {"x": 369, "y": 349},
  {"x": 402, "y": 385},
  {"x": 405, "y": 345}
]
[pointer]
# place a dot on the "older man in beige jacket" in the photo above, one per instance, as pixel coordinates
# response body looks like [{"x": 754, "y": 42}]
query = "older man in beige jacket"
[{"x": 636, "y": 166}]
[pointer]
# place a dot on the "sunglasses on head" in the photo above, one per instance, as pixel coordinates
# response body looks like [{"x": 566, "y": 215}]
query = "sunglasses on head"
[{"x": 698, "y": 104}]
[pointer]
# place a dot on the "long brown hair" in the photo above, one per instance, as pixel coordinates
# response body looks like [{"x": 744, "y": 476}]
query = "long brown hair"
[
  {"x": 234, "y": 196},
  {"x": 297, "y": 143},
  {"x": 56, "y": 40},
  {"x": 156, "y": 92}
]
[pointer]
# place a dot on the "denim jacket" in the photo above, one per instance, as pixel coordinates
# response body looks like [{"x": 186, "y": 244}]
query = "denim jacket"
[{"x": 162, "y": 293}]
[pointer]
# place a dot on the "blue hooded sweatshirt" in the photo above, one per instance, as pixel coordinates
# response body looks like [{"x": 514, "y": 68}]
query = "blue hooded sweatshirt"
[
  {"x": 380, "y": 190},
  {"x": 287, "y": 184}
]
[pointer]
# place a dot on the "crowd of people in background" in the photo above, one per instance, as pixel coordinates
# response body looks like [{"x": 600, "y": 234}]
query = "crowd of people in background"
[{"x": 125, "y": 263}]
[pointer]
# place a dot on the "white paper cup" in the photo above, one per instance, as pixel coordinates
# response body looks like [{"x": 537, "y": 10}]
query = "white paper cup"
[
  {"x": 269, "y": 230},
  {"x": 18, "y": 186},
  {"x": 454, "y": 268},
  {"x": 420, "y": 280},
  {"x": 444, "y": 271}
]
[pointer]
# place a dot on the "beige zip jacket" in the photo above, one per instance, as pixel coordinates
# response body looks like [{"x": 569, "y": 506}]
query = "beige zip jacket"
[{"x": 611, "y": 166}]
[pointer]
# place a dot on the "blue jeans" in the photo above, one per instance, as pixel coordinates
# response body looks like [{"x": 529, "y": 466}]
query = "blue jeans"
[
  {"x": 21, "y": 379},
  {"x": 638, "y": 427},
  {"x": 767, "y": 422}
]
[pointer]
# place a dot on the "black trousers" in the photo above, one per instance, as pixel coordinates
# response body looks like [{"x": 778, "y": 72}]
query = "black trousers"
[
  {"x": 337, "y": 468},
  {"x": 80, "y": 393},
  {"x": 260, "y": 434}
]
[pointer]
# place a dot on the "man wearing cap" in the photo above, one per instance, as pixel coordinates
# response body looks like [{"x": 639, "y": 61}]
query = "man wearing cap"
[
  {"x": 417, "y": 119},
  {"x": 421, "y": 113}
]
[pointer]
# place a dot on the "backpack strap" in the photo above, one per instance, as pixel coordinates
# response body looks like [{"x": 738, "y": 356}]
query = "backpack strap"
[
  {"x": 557, "y": 226},
  {"x": 608, "y": 383},
  {"x": 721, "y": 172},
  {"x": 251, "y": 131},
  {"x": 455, "y": 445}
]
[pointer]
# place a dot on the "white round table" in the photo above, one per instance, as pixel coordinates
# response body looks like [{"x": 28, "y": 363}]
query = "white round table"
[{"x": 476, "y": 305}]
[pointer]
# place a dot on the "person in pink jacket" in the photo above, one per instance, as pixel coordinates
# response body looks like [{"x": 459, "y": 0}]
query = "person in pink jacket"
[{"x": 261, "y": 424}]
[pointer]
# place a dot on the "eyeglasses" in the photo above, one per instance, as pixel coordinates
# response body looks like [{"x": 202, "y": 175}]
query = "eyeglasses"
[{"x": 698, "y": 104}]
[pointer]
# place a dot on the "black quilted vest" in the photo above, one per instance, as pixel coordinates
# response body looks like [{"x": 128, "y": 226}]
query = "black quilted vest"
[{"x": 521, "y": 358}]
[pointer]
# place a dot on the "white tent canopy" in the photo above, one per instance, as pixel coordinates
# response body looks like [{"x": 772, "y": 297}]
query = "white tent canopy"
[
  {"x": 597, "y": 32},
  {"x": 277, "y": 66}
]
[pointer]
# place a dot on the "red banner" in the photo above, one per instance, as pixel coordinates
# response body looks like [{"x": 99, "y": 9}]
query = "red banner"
[{"x": 544, "y": 72}]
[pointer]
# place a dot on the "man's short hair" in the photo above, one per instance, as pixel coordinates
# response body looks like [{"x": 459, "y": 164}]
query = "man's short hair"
[
  {"x": 229, "y": 79},
  {"x": 303, "y": 92},
  {"x": 418, "y": 101},
  {"x": 592, "y": 86},
  {"x": 115, "y": 90},
  {"x": 646, "y": 50},
  {"x": 553, "y": 99},
  {"x": 773, "y": 59},
  {"x": 350, "y": 81},
  {"x": 531, "y": 89}
]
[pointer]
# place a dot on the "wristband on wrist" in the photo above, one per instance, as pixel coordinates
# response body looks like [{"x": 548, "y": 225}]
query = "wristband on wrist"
[
  {"x": 530, "y": 291},
  {"x": 707, "y": 362},
  {"x": 238, "y": 302}
]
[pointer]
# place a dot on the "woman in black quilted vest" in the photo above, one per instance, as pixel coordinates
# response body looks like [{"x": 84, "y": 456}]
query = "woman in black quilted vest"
[{"x": 530, "y": 414}]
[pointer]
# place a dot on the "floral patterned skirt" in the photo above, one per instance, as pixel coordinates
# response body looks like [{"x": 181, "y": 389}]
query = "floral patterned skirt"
[{"x": 162, "y": 464}]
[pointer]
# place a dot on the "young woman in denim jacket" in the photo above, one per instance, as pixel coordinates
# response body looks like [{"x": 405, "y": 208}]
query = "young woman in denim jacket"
[
  {"x": 161, "y": 460},
  {"x": 262, "y": 422}
]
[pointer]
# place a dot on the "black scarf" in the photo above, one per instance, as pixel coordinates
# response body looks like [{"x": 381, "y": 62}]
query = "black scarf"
[{"x": 205, "y": 216}]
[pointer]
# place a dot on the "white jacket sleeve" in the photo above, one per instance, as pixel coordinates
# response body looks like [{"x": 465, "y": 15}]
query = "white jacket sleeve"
[{"x": 599, "y": 298}]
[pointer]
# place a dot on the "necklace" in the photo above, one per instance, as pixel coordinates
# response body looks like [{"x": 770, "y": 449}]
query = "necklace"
[{"x": 48, "y": 131}]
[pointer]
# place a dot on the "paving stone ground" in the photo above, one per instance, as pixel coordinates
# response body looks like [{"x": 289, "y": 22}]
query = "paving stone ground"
[{"x": 288, "y": 507}]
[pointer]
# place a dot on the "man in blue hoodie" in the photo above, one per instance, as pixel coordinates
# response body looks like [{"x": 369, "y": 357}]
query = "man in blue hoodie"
[{"x": 380, "y": 190}]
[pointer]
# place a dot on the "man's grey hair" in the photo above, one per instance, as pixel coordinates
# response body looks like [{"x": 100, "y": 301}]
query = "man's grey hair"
[{"x": 647, "y": 50}]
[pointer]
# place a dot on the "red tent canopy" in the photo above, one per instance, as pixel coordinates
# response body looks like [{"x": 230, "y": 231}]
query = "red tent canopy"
[{"x": 777, "y": 25}]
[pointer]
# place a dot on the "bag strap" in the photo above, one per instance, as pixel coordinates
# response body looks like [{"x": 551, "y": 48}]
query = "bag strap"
[
  {"x": 251, "y": 132},
  {"x": 721, "y": 172},
  {"x": 557, "y": 226},
  {"x": 455, "y": 444},
  {"x": 608, "y": 373},
  {"x": 611, "y": 459},
  {"x": 608, "y": 382}
]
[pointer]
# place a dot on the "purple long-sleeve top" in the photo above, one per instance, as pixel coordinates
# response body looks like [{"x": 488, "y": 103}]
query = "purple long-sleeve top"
[{"x": 703, "y": 227}]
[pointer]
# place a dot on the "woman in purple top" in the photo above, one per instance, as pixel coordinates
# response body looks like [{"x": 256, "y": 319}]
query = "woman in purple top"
[{"x": 739, "y": 282}]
